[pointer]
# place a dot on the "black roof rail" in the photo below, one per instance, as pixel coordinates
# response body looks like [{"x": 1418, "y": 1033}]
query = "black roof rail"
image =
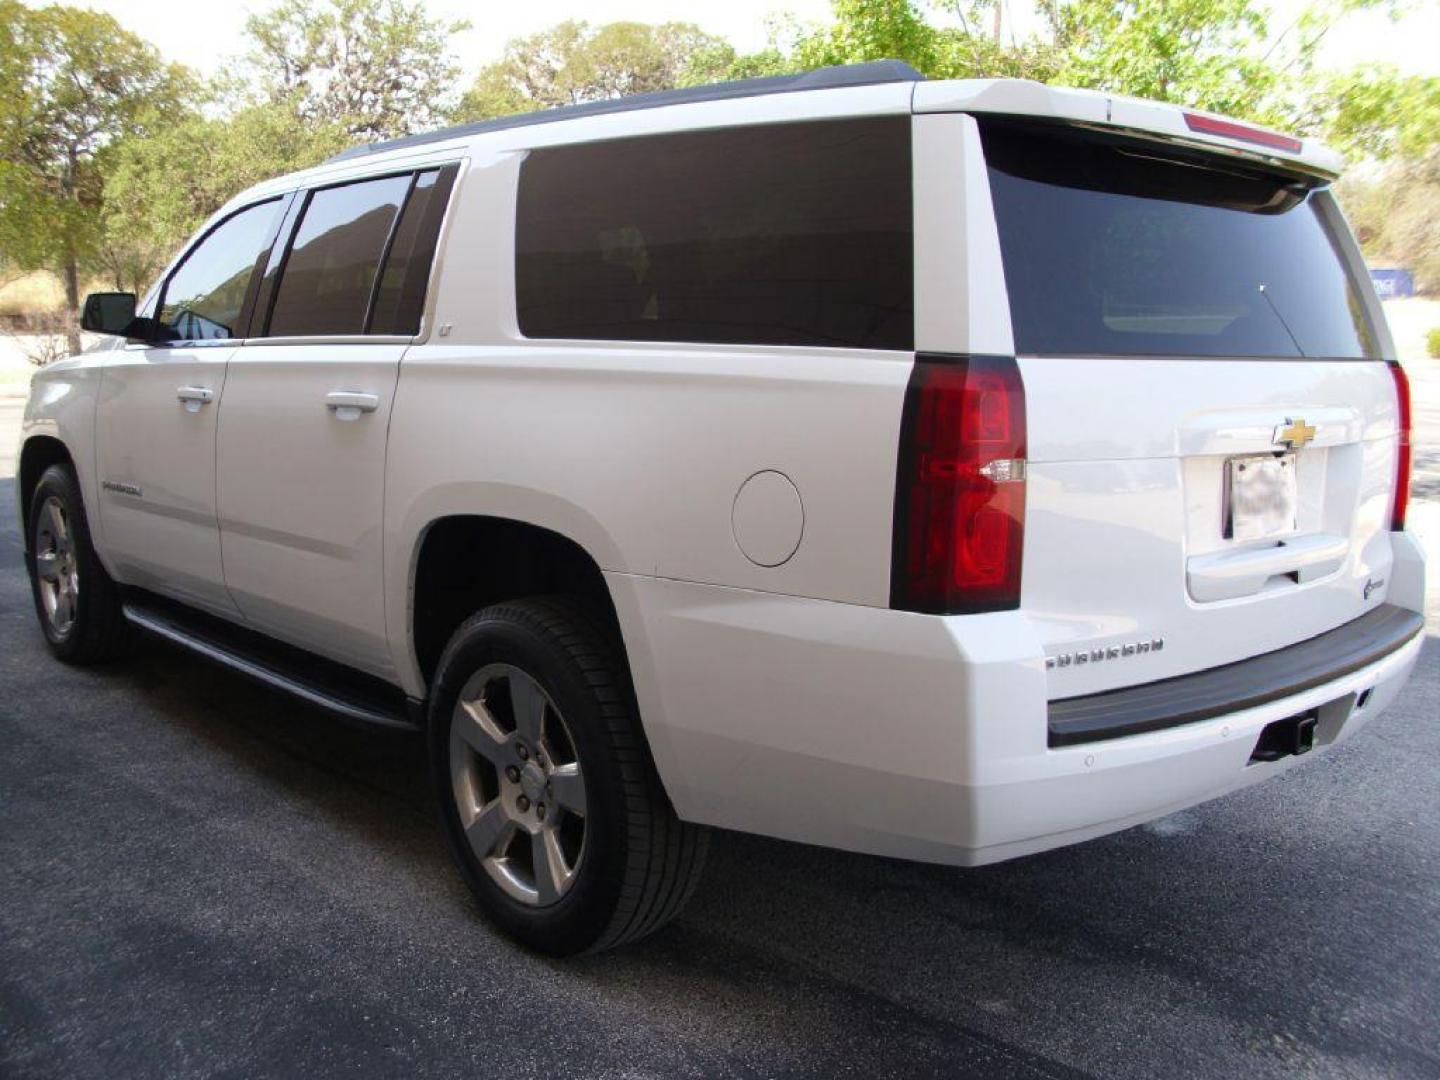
[{"x": 871, "y": 74}]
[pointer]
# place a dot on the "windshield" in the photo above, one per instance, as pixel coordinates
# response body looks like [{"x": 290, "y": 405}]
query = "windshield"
[{"x": 1113, "y": 247}]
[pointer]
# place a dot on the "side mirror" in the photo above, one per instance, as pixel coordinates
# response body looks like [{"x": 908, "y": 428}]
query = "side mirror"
[{"x": 108, "y": 313}]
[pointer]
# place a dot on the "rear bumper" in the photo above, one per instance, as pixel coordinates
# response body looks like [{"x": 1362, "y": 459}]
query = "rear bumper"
[
  {"x": 1233, "y": 688},
  {"x": 928, "y": 738}
]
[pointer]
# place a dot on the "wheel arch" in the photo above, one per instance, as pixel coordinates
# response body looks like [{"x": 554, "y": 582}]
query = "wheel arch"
[
  {"x": 37, "y": 453},
  {"x": 463, "y": 562}
]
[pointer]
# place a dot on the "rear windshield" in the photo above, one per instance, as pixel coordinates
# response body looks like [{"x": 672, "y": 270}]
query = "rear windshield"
[{"x": 1115, "y": 248}]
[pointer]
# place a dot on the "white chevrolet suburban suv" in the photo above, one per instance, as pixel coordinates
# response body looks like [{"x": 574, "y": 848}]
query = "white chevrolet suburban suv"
[{"x": 943, "y": 470}]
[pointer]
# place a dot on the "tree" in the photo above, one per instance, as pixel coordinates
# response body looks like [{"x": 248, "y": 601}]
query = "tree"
[
  {"x": 160, "y": 188},
  {"x": 1201, "y": 53},
  {"x": 73, "y": 82},
  {"x": 865, "y": 30},
  {"x": 375, "y": 68},
  {"x": 575, "y": 62},
  {"x": 1372, "y": 111}
]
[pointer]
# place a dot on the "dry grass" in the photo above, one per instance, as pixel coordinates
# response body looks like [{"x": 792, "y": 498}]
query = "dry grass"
[
  {"x": 32, "y": 294},
  {"x": 40, "y": 293}
]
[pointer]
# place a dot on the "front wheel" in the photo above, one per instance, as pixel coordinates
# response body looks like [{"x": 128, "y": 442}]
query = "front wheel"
[
  {"x": 77, "y": 602},
  {"x": 550, "y": 802}
]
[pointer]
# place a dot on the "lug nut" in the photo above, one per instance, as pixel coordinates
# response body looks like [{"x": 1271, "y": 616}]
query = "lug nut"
[
  {"x": 512, "y": 774},
  {"x": 522, "y": 751},
  {"x": 540, "y": 811},
  {"x": 523, "y": 803}
]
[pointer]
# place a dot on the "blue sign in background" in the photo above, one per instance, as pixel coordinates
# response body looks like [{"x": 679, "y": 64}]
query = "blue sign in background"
[{"x": 1393, "y": 283}]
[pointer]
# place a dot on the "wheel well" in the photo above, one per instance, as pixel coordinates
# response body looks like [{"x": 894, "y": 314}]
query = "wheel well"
[
  {"x": 468, "y": 563},
  {"x": 37, "y": 455}
]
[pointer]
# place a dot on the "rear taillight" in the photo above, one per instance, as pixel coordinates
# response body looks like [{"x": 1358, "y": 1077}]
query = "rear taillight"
[
  {"x": 960, "y": 491},
  {"x": 1402, "y": 456}
]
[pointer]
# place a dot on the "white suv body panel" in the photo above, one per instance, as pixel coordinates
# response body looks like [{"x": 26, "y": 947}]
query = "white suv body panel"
[
  {"x": 791, "y": 700},
  {"x": 918, "y": 736}
]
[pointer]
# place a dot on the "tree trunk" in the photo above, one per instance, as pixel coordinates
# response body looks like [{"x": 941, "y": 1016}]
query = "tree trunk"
[{"x": 71, "y": 274}]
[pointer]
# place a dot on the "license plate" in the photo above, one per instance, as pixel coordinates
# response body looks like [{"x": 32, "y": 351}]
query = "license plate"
[{"x": 1262, "y": 496}]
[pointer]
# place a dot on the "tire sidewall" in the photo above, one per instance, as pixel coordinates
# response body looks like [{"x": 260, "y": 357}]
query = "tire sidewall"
[
  {"x": 59, "y": 482},
  {"x": 514, "y": 636}
]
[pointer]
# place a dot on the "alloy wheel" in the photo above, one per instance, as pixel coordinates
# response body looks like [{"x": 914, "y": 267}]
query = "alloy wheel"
[
  {"x": 518, "y": 786},
  {"x": 56, "y": 566}
]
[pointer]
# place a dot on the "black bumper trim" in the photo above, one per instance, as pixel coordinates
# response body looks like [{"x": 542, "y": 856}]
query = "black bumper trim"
[{"x": 1185, "y": 699}]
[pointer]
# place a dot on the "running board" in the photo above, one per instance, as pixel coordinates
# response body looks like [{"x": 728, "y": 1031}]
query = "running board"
[{"x": 324, "y": 683}]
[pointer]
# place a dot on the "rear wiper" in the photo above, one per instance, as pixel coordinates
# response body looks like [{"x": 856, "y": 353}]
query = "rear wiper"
[{"x": 1265, "y": 292}]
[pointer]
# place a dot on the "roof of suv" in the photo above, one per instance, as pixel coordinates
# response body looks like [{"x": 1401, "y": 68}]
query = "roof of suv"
[
  {"x": 885, "y": 85},
  {"x": 830, "y": 78}
]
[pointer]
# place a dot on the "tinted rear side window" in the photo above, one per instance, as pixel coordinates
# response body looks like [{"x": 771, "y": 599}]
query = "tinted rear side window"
[
  {"x": 1115, "y": 248},
  {"x": 794, "y": 234},
  {"x": 328, "y": 275},
  {"x": 401, "y": 293}
]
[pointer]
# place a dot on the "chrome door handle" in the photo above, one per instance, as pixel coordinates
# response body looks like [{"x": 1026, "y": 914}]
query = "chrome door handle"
[
  {"x": 195, "y": 396},
  {"x": 349, "y": 404}
]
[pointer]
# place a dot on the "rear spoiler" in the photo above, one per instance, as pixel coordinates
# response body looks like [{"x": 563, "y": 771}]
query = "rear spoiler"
[{"x": 1148, "y": 119}]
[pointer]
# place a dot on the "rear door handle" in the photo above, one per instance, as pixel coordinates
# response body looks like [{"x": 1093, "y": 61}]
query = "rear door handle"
[
  {"x": 195, "y": 396},
  {"x": 349, "y": 404}
]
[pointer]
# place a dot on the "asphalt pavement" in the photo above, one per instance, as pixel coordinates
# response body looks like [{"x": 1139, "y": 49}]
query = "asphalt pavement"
[{"x": 200, "y": 877}]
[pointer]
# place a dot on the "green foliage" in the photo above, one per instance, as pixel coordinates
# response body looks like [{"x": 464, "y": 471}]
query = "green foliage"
[
  {"x": 1432, "y": 343},
  {"x": 375, "y": 68},
  {"x": 161, "y": 188},
  {"x": 574, "y": 62},
  {"x": 1373, "y": 111},
  {"x": 72, "y": 82},
  {"x": 1200, "y": 53}
]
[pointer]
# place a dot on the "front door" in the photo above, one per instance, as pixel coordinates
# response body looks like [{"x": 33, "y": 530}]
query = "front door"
[
  {"x": 303, "y": 424},
  {"x": 156, "y": 422},
  {"x": 301, "y": 490}
]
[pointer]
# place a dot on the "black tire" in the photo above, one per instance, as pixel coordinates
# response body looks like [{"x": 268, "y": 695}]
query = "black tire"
[
  {"x": 98, "y": 630},
  {"x": 639, "y": 863}
]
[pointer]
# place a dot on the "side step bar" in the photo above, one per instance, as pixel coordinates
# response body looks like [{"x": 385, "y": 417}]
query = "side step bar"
[{"x": 335, "y": 687}]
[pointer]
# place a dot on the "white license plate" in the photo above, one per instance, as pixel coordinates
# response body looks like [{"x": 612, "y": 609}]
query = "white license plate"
[{"x": 1262, "y": 496}]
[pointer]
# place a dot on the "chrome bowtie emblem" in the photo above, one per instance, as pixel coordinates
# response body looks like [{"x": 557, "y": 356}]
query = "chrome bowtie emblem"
[{"x": 1293, "y": 434}]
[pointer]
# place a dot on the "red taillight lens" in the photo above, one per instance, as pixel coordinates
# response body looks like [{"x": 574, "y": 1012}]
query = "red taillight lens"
[
  {"x": 1228, "y": 129},
  {"x": 960, "y": 492},
  {"x": 1402, "y": 457}
]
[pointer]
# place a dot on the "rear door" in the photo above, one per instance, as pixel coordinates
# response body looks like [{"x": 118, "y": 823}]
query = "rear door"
[
  {"x": 155, "y": 427},
  {"x": 305, "y": 414},
  {"x": 1212, "y": 429}
]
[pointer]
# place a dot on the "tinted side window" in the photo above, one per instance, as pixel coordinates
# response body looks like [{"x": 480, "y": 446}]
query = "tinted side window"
[
  {"x": 205, "y": 295},
  {"x": 330, "y": 270},
  {"x": 1115, "y": 248},
  {"x": 786, "y": 234},
  {"x": 401, "y": 294}
]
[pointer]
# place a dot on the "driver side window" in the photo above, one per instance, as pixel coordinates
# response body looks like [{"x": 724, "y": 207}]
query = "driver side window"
[{"x": 205, "y": 295}]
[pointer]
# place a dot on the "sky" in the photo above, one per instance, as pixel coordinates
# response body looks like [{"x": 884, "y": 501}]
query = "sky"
[{"x": 202, "y": 32}]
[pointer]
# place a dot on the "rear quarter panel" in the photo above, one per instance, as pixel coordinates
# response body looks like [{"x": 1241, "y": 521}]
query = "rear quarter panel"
[{"x": 634, "y": 451}]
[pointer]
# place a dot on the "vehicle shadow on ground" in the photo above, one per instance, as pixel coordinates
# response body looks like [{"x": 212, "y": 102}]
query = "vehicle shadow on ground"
[{"x": 1179, "y": 917}]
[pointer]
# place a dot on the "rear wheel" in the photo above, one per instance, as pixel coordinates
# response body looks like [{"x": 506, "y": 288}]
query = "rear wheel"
[
  {"x": 550, "y": 802},
  {"x": 77, "y": 602}
]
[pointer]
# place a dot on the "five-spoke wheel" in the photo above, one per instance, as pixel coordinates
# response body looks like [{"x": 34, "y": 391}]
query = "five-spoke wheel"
[
  {"x": 55, "y": 566},
  {"x": 550, "y": 801},
  {"x": 518, "y": 785}
]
